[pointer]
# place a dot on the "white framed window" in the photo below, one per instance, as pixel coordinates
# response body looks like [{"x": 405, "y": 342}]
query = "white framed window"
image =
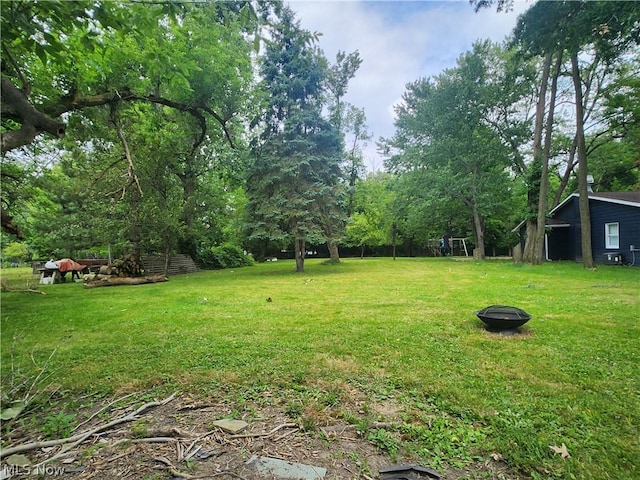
[{"x": 612, "y": 235}]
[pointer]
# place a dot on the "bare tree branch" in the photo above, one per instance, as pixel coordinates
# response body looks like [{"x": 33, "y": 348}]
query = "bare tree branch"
[
  {"x": 131, "y": 172},
  {"x": 26, "y": 86}
]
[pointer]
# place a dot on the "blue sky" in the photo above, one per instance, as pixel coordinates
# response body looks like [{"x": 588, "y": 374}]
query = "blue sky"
[{"x": 399, "y": 42}]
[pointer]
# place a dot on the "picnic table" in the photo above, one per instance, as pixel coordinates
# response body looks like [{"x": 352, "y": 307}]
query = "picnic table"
[
  {"x": 50, "y": 275},
  {"x": 54, "y": 272}
]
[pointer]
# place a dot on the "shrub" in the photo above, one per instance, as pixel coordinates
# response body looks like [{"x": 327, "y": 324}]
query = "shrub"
[
  {"x": 226, "y": 255},
  {"x": 15, "y": 253}
]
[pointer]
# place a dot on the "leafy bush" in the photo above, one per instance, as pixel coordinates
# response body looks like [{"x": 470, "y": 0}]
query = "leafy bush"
[
  {"x": 226, "y": 255},
  {"x": 15, "y": 253}
]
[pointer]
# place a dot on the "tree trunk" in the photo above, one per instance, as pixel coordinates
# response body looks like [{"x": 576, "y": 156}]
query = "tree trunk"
[
  {"x": 136, "y": 231},
  {"x": 544, "y": 171},
  {"x": 189, "y": 180},
  {"x": 299, "y": 250},
  {"x": 334, "y": 254},
  {"x": 131, "y": 170},
  {"x": 567, "y": 175},
  {"x": 531, "y": 229},
  {"x": 478, "y": 229},
  {"x": 393, "y": 239},
  {"x": 586, "y": 112},
  {"x": 9, "y": 225},
  {"x": 585, "y": 216},
  {"x": 167, "y": 260},
  {"x": 332, "y": 243},
  {"x": 531, "y": 248}
]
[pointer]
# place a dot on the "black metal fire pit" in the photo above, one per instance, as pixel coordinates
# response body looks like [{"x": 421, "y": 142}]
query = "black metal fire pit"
[{"x": 502, "y": 317}]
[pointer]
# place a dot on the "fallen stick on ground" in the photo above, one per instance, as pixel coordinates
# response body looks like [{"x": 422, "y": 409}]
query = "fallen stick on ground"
[
  {"x": 4, "y": 286},
  {"x": 80, "y": 437},
  {"x": 150, "y": 440},
  {"x": 95, "y": 414},
  {"x": 26, "y": 290},
  {"x": 285, "y": 434},
  {"x": 268, "y": 434},
  {"x": 338, "y": 429},
  {"x": 178, "y": 474},
  {"x": 173, "y": 470}
]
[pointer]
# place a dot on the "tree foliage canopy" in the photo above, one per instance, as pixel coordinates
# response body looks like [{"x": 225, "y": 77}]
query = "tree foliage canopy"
[{"x": 138, "y": 81}]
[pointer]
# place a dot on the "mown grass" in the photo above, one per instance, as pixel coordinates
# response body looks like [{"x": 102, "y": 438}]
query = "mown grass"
[{"x": 399, "y": 330}]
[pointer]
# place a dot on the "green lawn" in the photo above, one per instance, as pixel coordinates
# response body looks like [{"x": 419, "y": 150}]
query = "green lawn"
[{"x": 399, "y": 331}]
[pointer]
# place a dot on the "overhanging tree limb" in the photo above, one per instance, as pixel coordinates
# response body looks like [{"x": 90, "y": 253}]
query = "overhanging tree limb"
[
  {"x": 34, "y": 121},
  {"x": 16, "y": 106}
]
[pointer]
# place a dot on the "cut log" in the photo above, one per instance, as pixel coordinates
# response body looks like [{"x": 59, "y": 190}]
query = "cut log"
[{"x": 112, "y": 281}]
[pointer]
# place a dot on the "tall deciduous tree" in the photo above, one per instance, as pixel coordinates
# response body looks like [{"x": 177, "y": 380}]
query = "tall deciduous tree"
[
  {"x": 358, "y": 134},
  {"x": 601, "y": 31},
  {"x": 346, "y": 119},
  {"x": 446, "y": 133},
  {"x": 371, "y": 222},
  {"x": 65, "y": 57},
  {"x": 45, "y": 28},
  {"x": 296, "y": 167},
  {"x": 615, "y": 163}
]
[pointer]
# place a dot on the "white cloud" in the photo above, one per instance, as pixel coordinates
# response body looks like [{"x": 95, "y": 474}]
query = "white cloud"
[{"x": 399, "y": 42}]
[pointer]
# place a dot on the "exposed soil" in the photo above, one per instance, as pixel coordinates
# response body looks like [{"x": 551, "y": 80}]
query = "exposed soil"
[{"x": 178, "y": 440}]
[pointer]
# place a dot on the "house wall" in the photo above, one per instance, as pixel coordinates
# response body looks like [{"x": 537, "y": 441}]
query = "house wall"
[
  {"x": 601, "y": 212},
  {"x": 627, "y": 217},
  {"x": 570, "y": 236}
]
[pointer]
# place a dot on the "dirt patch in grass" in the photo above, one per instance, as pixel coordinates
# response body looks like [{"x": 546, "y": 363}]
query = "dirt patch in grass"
[
  {"x": 178, "y": 439},
  {"x": 520, "y": 333}
]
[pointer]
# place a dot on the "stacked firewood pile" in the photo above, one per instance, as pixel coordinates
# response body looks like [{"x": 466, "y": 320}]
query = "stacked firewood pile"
[
  {"x": 129, "y": 266},
  {"x": 122, "y": 271}
]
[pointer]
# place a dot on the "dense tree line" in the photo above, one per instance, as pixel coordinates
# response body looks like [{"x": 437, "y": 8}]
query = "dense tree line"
[
  {"x": 143, "y": 127},
  {"x": 467, "y": 133}
]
